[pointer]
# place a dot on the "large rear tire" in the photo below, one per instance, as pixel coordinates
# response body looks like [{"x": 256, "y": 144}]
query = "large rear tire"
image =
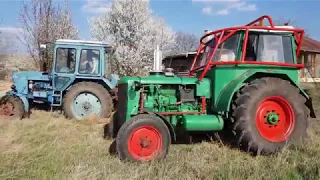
[
  {"x": 85, "y": 99},
  {"x": 11, "y": 107},
  {"x": 268, "y": 114},
  {"x": 143, "y": 138}
]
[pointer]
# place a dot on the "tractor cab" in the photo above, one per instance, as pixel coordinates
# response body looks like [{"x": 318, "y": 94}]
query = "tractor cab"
[
  {"x": 252, "y": 44},
  {"x": 87, "y": 57},
  {"x": 80, "y": 59}
]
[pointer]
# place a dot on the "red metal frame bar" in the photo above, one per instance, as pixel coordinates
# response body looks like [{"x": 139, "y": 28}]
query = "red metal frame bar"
[
  {"x": 260, "y": 20},
  {"x": 298, "y": 33},
  {"x": 299, "y": 39},
  {"x": 195, "y": 59},
  {"x": 177, "y": 113},
  {"x": 211, "y": 56},
  {"x": 203, "y": 99}
]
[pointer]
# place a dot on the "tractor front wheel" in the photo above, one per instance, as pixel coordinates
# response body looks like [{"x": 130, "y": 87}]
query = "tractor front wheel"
[
  {"x": 85, "y": 99},
  {"x": 268, "y": 114},
  {"x": 143, "y": 138},
  {"x": 11, "y": 107}
]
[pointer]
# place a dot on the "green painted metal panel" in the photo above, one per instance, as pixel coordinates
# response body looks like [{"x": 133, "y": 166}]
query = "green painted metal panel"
[
  {"x": 202, "y": 122},
  {"x": 227, "y": 79},
  {"x": 158, "y": 91},
  {"x": 202, "y": 87}
]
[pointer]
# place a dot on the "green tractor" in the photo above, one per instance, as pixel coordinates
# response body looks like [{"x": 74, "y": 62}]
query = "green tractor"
[{"x": 243, "y": 81}]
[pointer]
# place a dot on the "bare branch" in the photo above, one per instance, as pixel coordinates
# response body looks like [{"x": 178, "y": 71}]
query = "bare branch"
[{"x": 44, "y": 22}]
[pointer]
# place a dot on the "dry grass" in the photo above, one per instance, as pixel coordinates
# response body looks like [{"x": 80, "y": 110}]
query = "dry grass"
[
  {"x": 44, "y": 147},
  {"x": 5, "y": 85}
]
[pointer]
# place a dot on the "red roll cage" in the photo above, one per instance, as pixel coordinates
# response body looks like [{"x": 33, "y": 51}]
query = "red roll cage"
[{"x": 220, "y": 38}]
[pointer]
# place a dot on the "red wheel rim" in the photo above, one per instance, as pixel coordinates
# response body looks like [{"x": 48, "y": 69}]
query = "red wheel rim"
[
  {"x": 275, "y": 119},
  {"x": 144, "y": 143},
  {"x": 6, "y": 111}
]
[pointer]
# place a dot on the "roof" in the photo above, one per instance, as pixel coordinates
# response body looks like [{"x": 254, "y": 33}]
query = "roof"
[
  {"x": 82, "y": 42},
  {"x": 266, "y": 30},
  {"x": 181, "y": 55},
  {"x": 310, "y": 45}
]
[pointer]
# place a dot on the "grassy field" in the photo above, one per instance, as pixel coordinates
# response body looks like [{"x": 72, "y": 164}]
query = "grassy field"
[{"x": 47, "y": 147}]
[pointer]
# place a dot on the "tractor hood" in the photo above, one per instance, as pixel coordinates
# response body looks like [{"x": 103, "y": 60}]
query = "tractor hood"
[
  {"x": 30, "y": 75},
  {"x": 21, "y": 80},
  {"x": 137, "y": 81}
]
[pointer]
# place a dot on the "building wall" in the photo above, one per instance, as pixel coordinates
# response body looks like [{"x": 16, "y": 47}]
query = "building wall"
[
  {"x": 311, "y": 60},
  {"x": 179, "y": 63}
]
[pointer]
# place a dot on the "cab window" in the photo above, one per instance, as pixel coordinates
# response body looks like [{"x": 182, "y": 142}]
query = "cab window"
[
  {"x": 269, "y": 48},
  {"x": 89, "y": 61},
  {"x": 65, "y": 60},
  {"x": 226, "y": 51}
]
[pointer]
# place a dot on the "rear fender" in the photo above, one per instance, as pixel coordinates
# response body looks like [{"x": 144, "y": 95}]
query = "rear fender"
[
  {"x": 112, "y": 83},
  {"x": 22, "y": 98},
  {"x": 108, "y": 84},
  {"x": 226, "y": 96},
  {"x": 310, "y": 106}
]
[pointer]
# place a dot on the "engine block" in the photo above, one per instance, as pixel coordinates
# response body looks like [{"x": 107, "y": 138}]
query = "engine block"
[{"x": 164, "y": 99}]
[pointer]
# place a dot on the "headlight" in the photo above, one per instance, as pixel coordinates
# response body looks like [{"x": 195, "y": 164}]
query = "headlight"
[{"x": 30, "y": 84}]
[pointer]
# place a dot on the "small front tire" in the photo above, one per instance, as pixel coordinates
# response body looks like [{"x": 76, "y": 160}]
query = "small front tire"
[
  {"x": 11, "y": 107},
  {"x": 143, "y": 138},
  {"x": 85, "y": 99}
]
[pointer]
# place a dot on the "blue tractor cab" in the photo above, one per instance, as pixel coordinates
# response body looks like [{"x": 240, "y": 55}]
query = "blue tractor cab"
[{"x": 80, "y": 82}]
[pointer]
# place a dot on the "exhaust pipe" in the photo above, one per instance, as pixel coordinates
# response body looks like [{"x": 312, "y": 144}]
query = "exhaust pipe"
[{"x": 157, "y": 60}]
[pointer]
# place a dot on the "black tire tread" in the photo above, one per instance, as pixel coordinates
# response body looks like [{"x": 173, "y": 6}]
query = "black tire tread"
[
  {"x": 124, "y": 128},
  {"x": 94, "y": 88},
  {"x": 246, "y": 138},
  {"x": 18, "y": 106}
]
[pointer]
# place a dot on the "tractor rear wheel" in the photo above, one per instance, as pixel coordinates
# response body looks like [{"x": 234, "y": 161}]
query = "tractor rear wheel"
[
  {"x": 143, "y": 138},
  {"x": 85, "y": 99},
  {"x": 268, "y": 114},
  {"x": 11, "y": 107}
]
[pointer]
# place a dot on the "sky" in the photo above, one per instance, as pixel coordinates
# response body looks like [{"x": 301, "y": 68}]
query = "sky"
[{"x": 192, "y": 16}]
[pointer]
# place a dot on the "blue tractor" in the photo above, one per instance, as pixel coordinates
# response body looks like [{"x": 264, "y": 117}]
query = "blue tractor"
[{"x": 80, "y": 83}]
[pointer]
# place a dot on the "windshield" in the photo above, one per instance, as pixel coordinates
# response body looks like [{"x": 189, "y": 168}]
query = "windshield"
[{"x": 226, "y": 51}]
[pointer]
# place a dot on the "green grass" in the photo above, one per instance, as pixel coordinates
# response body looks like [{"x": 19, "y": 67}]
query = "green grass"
[{"x": 44, "y": 147}]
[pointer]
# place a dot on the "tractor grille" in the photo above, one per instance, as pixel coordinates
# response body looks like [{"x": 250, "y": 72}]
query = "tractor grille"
[{"x": 122, "y": 103}]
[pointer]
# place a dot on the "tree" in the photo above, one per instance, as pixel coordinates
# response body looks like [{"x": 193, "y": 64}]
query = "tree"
[
  {"x": 186, "y": 42},
  {"x": 134, "y": 32},
  {"x": 44, "y": 22}
]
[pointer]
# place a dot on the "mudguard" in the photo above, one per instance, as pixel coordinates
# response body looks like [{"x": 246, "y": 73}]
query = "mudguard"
[
  {"x": 224, "y": 99},
  {"x": 22, "y": 98}
]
